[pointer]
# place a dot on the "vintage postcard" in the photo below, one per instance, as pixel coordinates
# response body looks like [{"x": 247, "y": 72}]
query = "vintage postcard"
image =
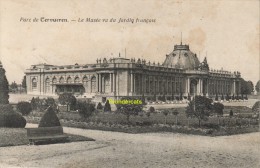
[{"x": 120, "y": 83}]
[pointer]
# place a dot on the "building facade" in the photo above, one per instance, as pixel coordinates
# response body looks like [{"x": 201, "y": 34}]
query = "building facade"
[{"x": 181, "y": 74}]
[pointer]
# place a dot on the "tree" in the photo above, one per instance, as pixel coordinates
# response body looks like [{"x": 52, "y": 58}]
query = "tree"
[
  {"x": 129, "y": 106},
  {"x": 68, "y": 99},
  {"x": 14, "y": 86},
  {"x": 257, "y": 86},
  {"x": 4, "y": 89},
  {"x": 151, "y": 109},
  {"x": 24, "y": 107},
  {"x": 175, "y": 112},
  {"x": 50, "y": 102},
  {"x": 165, "y": 113},
  {"x": 231, "y": 113},
  {"x": 24, "y": 82},
  {"x": 218, "y": 109},
  {"x": 107, "y": 107},
  {"x": 99, "y": 106},
  {"x": 216, "y": 98},
  {"x": 246, "y": 87},
  {"x": 200, "y": 107},
  {"x": 256, "y": 107},
  {"x": 85, "y": 109}
]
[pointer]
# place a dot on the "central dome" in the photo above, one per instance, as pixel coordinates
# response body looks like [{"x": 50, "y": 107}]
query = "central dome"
[{"x": 182, "y": 57}]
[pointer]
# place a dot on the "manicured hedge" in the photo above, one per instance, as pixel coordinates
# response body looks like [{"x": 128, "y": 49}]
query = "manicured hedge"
[
  {"x": 49, "y": 119},
  {"x": 9, "y": 118}
]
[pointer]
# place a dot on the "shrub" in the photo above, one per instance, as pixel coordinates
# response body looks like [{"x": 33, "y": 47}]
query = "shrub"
[
  {"x": 99, "y": 106},
  {"x": 9, "y": 118},
  {"x": 68, "y": 99},
  {"x": 49, "y": 119},
  {"x": 107, "y": 107},
  {"x": 231, "y": 113},
  {"x": 24, "y": 107},
  {"x": 151, "y": 109},
  {"x": 4, "y": 89},
  {"x": 85, "y": 109},
  {"x": 256, "y": 107}
]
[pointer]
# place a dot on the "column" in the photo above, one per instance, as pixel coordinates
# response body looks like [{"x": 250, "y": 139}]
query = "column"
[
  {"x": 234, "y": 87},
  {"x": 114, "y": 82},
  {"x": 188, "y": 85},
  {"x": 100, "y": 83},
  {"x": 97, "y": 84},
  {"x": 111, "y": 86},
  {"x": 134, "y": 83},
  {"x": 131, "y": 83},
  {"x": 198, "y": 87}
]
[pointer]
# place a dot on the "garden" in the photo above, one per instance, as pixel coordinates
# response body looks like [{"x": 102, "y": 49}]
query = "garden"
[{"x": 212, "y": 119}]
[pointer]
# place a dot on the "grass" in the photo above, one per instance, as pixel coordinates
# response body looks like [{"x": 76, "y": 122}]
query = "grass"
[{"x": 18, "y": 136}]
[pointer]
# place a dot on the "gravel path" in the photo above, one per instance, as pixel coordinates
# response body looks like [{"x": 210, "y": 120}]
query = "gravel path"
[{"x": 113, "y": 149}]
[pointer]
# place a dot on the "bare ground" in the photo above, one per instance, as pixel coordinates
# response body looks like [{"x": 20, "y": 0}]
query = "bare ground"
[{"x": 113, "y": 149}]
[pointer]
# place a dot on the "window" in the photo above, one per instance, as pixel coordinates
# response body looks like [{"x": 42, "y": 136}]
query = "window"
[
  {"x": 34, "y": 84},
  {"x": 76, "y": 80},
  {"x": 61, "y": 80},
  {"x": 93, "y": 84},
  {"x": 47, "y": 85},
  {"x": 69, "y": 80}
]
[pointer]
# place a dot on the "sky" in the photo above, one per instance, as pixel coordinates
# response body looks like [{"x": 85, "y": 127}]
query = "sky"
[{"x": 227, "y": 32}]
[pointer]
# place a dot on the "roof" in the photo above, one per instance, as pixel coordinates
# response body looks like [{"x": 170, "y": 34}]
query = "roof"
[{"x": 182, "y": 57}]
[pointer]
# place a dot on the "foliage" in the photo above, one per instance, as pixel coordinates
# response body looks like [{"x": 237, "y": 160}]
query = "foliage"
[
  {"x": 43, "y": 104},
  {"x": 129, "y": 108},
  {"x": 231, "y": 113},
  {"x": 14, "y": 85},
  {"x": 24, "y": 82},
  {"x": 257, "y": 86},
  {"x": 181, "y": 98},
  {"x": 49, "y": 119},
  {"x": 151, "y": 109},
  {"x": 233, "y": 97},
  {"x": 246, "y": 87},
  {"x": 189, "y": 98},
  {"x": 227, "y": 97},
  {"x": 4, "y": 86},
  {"x": 218, "y": 108},
  {"x": 256, "y": 107},
  {"x": 200, "y": 107},
  {"x": 107, "y": 107},
  {"x": 175, "y": 112},
  {"x": 85, "y": 109},
  {"x": 216, "y": 98},
  {"x": 99, "y": 106},
  {"x": 9, "y": 118},
  {"x": 50, "y": 102},
  {"x": 222, "y": 97},
  {"x": 68, "y": 99},
  {"x": 24, "y": 107}
]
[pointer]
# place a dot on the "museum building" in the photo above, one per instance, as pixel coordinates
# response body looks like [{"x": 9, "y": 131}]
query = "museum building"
[{"x": 180, "y": 75}]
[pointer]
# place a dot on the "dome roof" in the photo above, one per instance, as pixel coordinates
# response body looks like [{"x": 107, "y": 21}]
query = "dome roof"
[{"x": 182, "y": 57}]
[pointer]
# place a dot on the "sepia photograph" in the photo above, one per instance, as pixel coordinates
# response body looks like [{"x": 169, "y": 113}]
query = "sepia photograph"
[{"x": 129, "y": 84}]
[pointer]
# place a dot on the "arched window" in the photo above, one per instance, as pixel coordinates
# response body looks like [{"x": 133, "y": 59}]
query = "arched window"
[
  {"x": 34, "y": 84},
  {"x": 69, "y": 80},
  {"x": 76, "y": 80},
  {"x": 85, "y": 80},
  {"x": 54, "y": 80},
  {"x": 93, "y": 84},
  {"x": 47, "y": 85},
  {"x": 61, "y": 80}
]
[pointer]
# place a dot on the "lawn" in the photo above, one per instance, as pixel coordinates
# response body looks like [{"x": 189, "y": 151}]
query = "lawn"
[{"x": 18, "y": 136}]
